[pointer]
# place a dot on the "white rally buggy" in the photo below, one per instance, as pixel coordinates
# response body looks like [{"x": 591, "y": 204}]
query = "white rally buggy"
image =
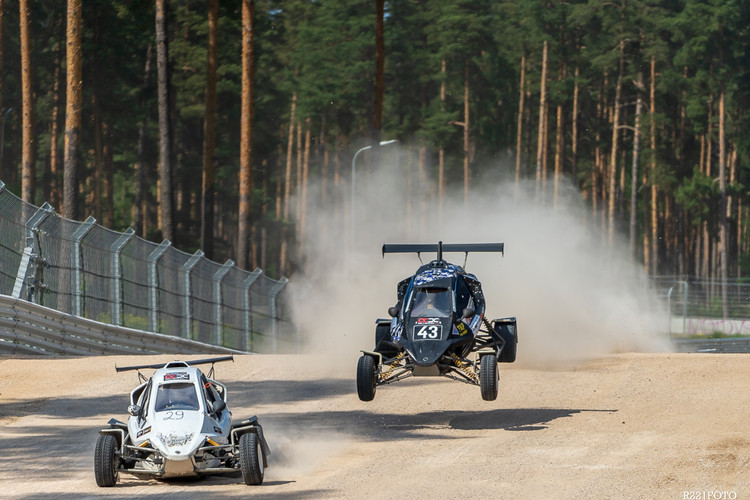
[{"x": 180, "y": 425}]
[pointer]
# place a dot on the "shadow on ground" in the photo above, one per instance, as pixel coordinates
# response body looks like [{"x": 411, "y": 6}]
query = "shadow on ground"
[{"x": 394, "y": 426}]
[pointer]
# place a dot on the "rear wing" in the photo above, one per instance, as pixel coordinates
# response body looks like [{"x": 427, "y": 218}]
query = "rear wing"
[
  {"x": 441, "y": 247},
  {"x": 176, "y": 364}
]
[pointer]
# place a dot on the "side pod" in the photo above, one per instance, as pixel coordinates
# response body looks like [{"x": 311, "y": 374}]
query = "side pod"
[{"x": 508, "y": 331}]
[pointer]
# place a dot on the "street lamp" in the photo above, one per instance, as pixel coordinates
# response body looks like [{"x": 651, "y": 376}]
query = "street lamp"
[{"x": 354, "y": 164}]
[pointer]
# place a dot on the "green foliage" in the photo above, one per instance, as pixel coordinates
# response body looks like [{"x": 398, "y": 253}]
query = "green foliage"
[
  {"x": 323, "y": 51},
  {"x": 699, "y": 197}
]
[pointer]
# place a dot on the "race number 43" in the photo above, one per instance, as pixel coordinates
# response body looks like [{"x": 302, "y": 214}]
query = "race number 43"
[{"x": 428, "y": 332}]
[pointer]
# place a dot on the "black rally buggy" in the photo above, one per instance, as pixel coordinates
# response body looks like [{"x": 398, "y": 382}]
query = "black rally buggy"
[{"x": 438, "y": 327}]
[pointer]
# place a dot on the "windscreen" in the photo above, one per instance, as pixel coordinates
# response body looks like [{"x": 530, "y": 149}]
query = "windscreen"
[
  {"x": 177, "y": 396},
  {"x": 432, "y": 302}
]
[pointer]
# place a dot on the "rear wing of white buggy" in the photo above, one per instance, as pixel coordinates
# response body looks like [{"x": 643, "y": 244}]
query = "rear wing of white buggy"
[{"x": 175, "y": 364}]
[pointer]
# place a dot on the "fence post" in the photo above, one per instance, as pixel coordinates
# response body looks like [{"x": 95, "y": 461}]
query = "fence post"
[
  {"x": 669, "y": 311},
  {"x": 278, "y": 287},
  {"x": 153, "y": 283},
  {"x": 75, "y": 264},
  {"x": 28, "y": 251},
  {"x": 684, "y": 307},
  {"x": 217, "y": 277},
  {"x": 116, "y": 271},
  {"x": 187, "y": 268},
  {"x": 247, "y": 319}
]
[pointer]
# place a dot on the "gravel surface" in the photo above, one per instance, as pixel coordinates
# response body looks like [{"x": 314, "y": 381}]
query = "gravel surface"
[{"x": 670, "y": 426}]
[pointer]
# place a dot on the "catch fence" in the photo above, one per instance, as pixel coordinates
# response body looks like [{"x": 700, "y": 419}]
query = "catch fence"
[
  {"x": 706, "y": 308},
  {"x": 88, "y": 271}
]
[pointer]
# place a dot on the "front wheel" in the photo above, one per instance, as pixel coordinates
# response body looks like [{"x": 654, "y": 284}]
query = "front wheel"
[
  {"x": 366, "y": 378},
  {"x": 105, "y": 461},
  {"x": 488, "y": 377},
  {"x": 251, "y": 459}
]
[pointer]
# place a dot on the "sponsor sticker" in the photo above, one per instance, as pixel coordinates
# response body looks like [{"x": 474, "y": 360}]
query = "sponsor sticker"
[
  {"x": 143, "y": 431},
  {"x": 428, "y": 321},
  {"x": 177, "y": 376},
  {"x": 461, "y": 327}
]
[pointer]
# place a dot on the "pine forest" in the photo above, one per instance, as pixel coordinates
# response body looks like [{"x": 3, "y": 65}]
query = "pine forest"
[{"x": 207, "y": 122}]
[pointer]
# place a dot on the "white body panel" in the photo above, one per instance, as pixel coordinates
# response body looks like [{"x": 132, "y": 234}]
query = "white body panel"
[{"x": 176, "y": 417}]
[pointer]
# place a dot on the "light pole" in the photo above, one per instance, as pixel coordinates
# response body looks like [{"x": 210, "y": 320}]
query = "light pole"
[
  {"x": 6, "y": 112},
  {"x": 354, "y": 164}
]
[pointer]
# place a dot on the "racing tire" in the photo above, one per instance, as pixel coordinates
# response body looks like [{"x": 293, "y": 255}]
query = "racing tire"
[
  {"x": 105, "y": 461},
  {"x": 366, "y": 378},
  {"x": 488, "y": 377},
  {"x": 251, "y": 459}
]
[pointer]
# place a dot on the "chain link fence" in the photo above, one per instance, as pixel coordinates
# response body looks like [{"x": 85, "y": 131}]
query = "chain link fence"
[
  {"x": 88, "y": 271},
  {"x": 701, "y": 308}
]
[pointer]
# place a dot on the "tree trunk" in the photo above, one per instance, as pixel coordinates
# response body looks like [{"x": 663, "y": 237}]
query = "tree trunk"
[
  {"x": 519, "y": 125},
  {"x": 441, "y": 150},
  {"x": 324, "y": 164},
  {"x": 166, "y": 201},
  {"x": 139, "y": 215},
  {"x": 298, "y": 209},
  {"x": 466, "y": 133},
  {"x": 646, "y": 241},
  {"x": 305, "y": 173},
  {"x": 634, "y": 171},
  {"x": 574, "y": 128},
  {"x": 28, "y": 173},
  {"x": 559, "y": 142},
  {"x": 422, "y": 179},
  {"x": 246, "y": 130},
  {"x": 289, "y": 152},
  {"x": 96, "y": 179},
  {"x": 723, "y": 224},
  {"x": 377, "y": 109},
  {"x": 108, "y": 207},
  {"x": 615, "y": 139},
  {"x": 74, "y": 101},
  {"x": 54, "y": 159},
  {"x": 654, "y": 184},
  {"x": 597, "y": 153},
  {"x": 209, "y": 133},
  {"x": 540, "y": 141},
  {"x": 2, "y": 63},
  {"x": 733, "y": 213},
  {"x": 709, "y": 158},
  {"x": 278, "y": 197}
]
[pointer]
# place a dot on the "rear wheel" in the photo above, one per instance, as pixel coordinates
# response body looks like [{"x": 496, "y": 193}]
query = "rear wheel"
[
  {"x": 251, "y": 459},
  {"x": 105, "y": 461},
  {"x": 366, "y": 378},
  {"x": 488, "y": 377}
]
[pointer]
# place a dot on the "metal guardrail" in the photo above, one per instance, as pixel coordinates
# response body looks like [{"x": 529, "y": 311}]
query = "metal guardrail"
[
  {"x": 703, "y": 319},
  {"x": 30, "y": 329},
  {"x": 730, "y": 345},
  {"x": 88, "y": 271}
]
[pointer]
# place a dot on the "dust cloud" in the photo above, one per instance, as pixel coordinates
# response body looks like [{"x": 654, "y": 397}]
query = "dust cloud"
[{"x": 574, "y": 295}]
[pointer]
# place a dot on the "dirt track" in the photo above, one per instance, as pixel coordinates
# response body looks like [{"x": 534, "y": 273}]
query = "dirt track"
[{"x": 624, "y": 426}]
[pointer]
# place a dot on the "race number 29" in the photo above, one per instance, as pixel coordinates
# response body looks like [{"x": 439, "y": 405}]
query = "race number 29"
[{"x": 428, "y": 332}]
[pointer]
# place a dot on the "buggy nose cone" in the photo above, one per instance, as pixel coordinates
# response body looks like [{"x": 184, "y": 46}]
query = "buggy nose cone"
[
  {"x": 425, "y": 355},
  {"x": 176, "y": 468}
]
